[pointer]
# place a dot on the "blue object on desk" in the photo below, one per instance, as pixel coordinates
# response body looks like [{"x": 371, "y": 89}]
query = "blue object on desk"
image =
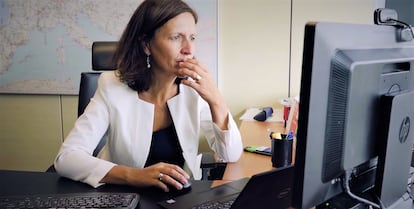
[{"x": 264, "y": 114}]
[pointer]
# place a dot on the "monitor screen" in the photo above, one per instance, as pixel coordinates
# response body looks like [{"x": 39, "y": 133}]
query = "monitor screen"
[{"x": 357, "y": 88}]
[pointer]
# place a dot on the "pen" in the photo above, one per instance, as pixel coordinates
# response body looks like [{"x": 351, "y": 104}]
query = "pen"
[{"x": 290, "y": 135}]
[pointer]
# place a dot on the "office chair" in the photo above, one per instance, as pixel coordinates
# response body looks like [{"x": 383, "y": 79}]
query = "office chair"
[{"x": 102, "y": 53}]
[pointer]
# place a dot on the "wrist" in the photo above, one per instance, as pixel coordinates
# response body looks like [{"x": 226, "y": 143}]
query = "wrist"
[
  {"x": 118, "y": 175},
  {"x": 130, "y": 174}
]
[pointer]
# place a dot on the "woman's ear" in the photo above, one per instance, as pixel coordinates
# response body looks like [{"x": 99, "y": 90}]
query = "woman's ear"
[{"x": 146, "y": 47}]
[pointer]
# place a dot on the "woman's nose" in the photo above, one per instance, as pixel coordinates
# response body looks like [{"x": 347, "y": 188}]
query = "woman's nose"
[{"x": 187, "y": 47}]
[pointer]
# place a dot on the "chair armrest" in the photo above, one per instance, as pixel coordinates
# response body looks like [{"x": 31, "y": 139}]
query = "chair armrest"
[
  {"x": 207, "y": 160},
  {"x": 211, "y": 169}
]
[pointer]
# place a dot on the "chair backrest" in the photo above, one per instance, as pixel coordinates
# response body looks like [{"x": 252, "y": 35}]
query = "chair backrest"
[
  {"x": 102, "y": 53},
  {"x": 88, "y": 84}
]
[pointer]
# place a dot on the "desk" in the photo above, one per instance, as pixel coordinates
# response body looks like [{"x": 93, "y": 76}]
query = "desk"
[
  {"x": 26, "y": 182},
  {"x": 253, "y": 133}
]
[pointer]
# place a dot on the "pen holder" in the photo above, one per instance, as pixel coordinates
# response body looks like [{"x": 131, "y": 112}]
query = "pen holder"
[{"x": 281, "y": 152}]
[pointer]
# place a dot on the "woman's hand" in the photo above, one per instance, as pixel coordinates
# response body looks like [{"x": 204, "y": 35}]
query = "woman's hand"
[
  {"x": 202, "y": 80},
  {"x": 160, "y": 175},
  {"x": 204, "y": 84}
]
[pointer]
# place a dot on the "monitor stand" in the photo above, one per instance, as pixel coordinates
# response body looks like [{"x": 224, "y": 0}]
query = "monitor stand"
[{"x": 395, "y": 147}]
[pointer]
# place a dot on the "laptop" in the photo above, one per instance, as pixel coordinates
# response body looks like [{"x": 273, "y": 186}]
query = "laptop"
[{"x": 270, "y": 189}]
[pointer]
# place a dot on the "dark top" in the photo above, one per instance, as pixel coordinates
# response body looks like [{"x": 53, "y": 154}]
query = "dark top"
[{"x": 165, "y": 148}]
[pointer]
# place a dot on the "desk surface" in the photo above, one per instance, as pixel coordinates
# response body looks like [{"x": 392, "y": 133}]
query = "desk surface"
[
  {"x": 26, "y": 182},
  {"x": 253, "y": 133}
]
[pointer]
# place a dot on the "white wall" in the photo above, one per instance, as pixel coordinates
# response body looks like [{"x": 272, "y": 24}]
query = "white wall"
[
  {"x": 254, "y": 45},
  {"x": 253, "y": 52}
]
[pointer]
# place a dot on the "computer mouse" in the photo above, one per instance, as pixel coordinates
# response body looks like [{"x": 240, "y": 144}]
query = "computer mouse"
[
  {"x": 187, "y": 185},
  {"x": 186, "y": 188}
]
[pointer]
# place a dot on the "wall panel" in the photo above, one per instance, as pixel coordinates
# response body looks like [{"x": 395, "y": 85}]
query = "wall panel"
[{"x": 30, "y": 131}]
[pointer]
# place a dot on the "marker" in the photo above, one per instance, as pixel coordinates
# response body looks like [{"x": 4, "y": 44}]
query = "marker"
[{"x": 290, "y": 135}]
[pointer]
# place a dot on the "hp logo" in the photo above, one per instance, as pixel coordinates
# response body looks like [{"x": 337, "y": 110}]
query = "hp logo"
[{"x": 404, "y": 130}]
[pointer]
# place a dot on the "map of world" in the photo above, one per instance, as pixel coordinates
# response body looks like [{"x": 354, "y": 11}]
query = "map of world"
[{"x": 46, "y": 44}]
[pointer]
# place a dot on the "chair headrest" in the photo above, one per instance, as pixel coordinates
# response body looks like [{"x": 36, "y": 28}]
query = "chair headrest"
[{"x": 102, "y": 53}]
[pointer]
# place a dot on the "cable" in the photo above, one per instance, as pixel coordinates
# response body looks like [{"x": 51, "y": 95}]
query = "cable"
[
  {"x": 384, "y": 16},
  {"x": 348, "y": 191},
  {"x": 409, "y": 193},
  {"x": 403, "y": 24},
  {"x": 380, "y": 202}
]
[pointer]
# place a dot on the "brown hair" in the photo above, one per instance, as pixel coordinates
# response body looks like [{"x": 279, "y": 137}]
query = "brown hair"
[{"x": 130, "y": 56}]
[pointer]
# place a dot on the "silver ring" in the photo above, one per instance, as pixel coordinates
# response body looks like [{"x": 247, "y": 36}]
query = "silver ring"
[{"x": 160, "y": 176}]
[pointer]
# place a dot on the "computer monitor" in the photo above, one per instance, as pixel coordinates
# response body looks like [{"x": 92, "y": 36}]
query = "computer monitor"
[{"x": 357, "y": 89}]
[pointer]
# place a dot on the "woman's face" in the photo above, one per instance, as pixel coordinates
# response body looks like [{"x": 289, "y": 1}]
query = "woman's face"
[{"x": 172, "y": 43}]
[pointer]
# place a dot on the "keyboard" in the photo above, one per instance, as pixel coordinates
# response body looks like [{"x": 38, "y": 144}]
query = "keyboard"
[
  {"x": 216, "y": 205},
  {"x": 112, "y": 200}
]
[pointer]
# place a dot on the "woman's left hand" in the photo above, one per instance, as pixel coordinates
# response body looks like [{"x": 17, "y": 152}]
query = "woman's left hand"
[
  {"x": 202, "y": 80},
  {"x": 204, "y": 84}
]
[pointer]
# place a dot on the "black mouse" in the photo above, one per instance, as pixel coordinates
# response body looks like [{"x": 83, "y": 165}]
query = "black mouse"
[
  {"x": 186, "y": 188},
  {"x": 187, "y": 185}
]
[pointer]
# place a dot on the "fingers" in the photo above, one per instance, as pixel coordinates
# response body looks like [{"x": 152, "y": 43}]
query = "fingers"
[
  {"x": 202, "y": 80},
  {"x": 159, "y": 182},
  {"x": 192, "y": 68},
  {"x": 172, "y": 175},
  {"x": 170, "y": 182}
]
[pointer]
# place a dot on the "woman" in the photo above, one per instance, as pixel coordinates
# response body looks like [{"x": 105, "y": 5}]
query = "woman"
[{"x": 154, "y": 106}]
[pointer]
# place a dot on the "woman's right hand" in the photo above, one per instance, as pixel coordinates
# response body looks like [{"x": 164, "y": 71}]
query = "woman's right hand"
[{"x": 162, "y": 175}]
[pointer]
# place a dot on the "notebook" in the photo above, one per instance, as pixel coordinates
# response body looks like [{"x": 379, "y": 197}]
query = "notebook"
[{"x": 270, "y": 189}]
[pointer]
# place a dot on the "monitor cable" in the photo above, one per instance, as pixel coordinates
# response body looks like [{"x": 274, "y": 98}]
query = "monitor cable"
[
  {"x": 410, "y": 186},
  {"x": 346, "y": 181},
  {"x": 405, "y": 26},
  {"x": 385, "y": 16}
]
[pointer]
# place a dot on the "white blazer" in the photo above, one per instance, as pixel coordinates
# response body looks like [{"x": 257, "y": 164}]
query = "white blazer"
[{"x": 129, "y": 120}]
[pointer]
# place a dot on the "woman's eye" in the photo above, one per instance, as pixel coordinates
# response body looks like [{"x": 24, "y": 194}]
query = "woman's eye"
[{"x": 177, "y": 37}]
